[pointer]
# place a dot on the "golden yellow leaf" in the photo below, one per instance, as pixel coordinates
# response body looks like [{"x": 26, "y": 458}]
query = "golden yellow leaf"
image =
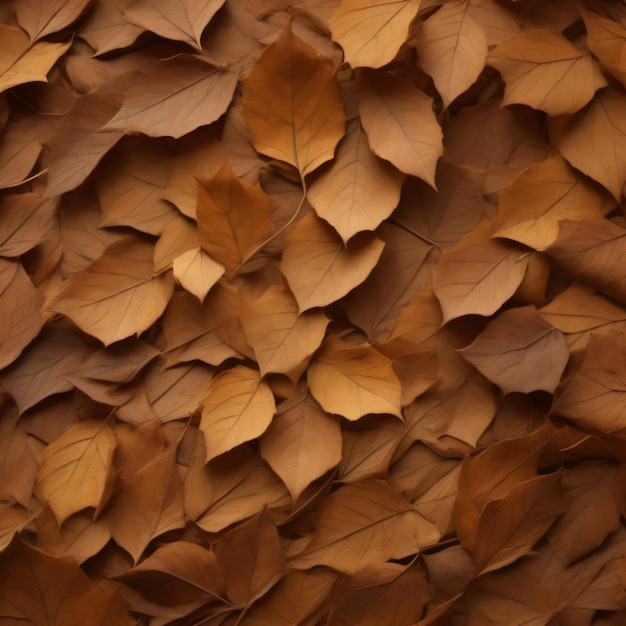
[
  {"x": 452, "y": 48},
  {"x": 291, "y": 104},
  {"x": 75, "y": 468},
  {"x": 117, "y": 295},
  {"x": 353, "y": 381},
  {"x": 400, "y": 124},
  {"x": 197, "y": 272},
  {"x": 238, "y": 407},
  {"x": 372, "y": 31},
  {"x": 546, "y": 71}
]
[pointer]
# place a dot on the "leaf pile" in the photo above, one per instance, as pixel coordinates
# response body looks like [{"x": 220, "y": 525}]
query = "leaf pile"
[{"x": 313, "y": 312}]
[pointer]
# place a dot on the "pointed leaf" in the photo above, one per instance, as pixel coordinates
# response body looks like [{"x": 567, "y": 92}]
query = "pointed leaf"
[
  {"x": 283, "y": 340},
  {"x": 546, "y": 71},
  {"x": 363, "y": 523},
  {"x": 18, "y": 154},
  {"x": 117, "y": 295},
  {"x": 291, "y": 104},
  {"x": 197, "y": 272},
  {"x": 175, "y": 96},
  {"x": 238, "y": 407},
  {"x": 371, "y": 33},
  {"x": 40, "y": 19},
  {"x": 319, "y": 268},
  {"x": 353, "y": 381},
  {"x": 75, "y": 468},
  {"x": 302, "y": 443},
  {"x": 359, "y": 190},
  {"x": 25, "y": 222},
  {"x": 519, "y": 351},
  {"x": 233, "y": 218},
  {"x": 452, "y": 48},
  {"x": 400, "y": 124}
]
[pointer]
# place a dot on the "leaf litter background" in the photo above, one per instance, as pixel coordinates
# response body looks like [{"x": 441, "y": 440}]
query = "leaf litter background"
[{"x": 313, "y": 312}]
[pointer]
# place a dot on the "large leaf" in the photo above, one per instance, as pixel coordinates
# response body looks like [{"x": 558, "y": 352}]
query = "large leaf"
[
  {"x": 40, "y": 19},
  {"x": 371, "y": 33},
  {"x": 291, "y": 104},
  {"x": 546, "y": 71},
  {"x": 319, "y": 268},
  {"x": 175, "y": 96},
  {"x": 452, "y": 48},
  {"x": 400, "y": 124},
  {"x": 75, "y": 468},
  {"x": 117, "y": 295},
  {"x": 353, "y": 381}
]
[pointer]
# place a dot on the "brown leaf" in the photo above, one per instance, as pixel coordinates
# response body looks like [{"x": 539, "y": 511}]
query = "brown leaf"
[
  {"x": 363, "y": 523},
  {"x": 181, "y": 21},
  {"x": 400, "y": 124},
  {"x": 593, "y": 396},
  {"x": 233, "y": 218},
  {"x": 544, "y": 70},
  {"x": 117, "y": 295},
  {"x": 371, "y": 33},
  {"x": 238, "y": 407},
  {"x": 197, "y": 272},
  {"x": 317, "y": 265},
  {"x": 302, "y": 443},
  {"x": 23, "y": 62},
  {"x": 283, "y": 340},
  {"x": 39, "y": 19},
  {"x": 358, "y": 190},
  {"x": 291, "y": 104},
  {"x": 254, "y": 552},
  {"x": 174, "y": 97},
  {"x": 353, "y": 381},
  {"x": 74, "y": 469},
  {"x": 26, "y": 220},
  {"x": 452, "y": 48},
  {"x": 13, "y": 519},
  {"x": 588, "y": 249},
  {"x": 531, "y": 209},
  {"x": 519, "y": 351},
  {"x": 18, "y": 154},
  {"x": 593, "y": 140}
]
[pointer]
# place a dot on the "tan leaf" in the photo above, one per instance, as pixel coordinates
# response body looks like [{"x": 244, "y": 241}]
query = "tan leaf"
[
  {"x": 291, "y": 104},
  {"x": 41, "y": 19},
  {"x": 175, "y": 96},
  {"x": 18, "y": 154},
  {"x": 22, "y": 63},
  {"x": 179, "y": 236},
  {"x": 546, "y": 71},
  {"x": 497, "y": 20},
  {"x": 20, "y": 312},
  {"x": 238, "y": 407},
  {"x": 364, "y": 523},
  {"x": 588, "y": 250},
  {"x": 233, "y": 218},
  {"x": 452, "y": 48},
  {"x": 593, "y": 396},
  {"x": 540, "y": 197},
  {"x": 317, "y": 265},
  {"x": 400, "y": 124},
  {"x": 25, "y": 222},
  {"x": 13, "y": 519},
  {"x": 282, "y": 339},
  {"x": 302, "y": 443},
  {"x": 607, "y": 40},
  {"x": 116, "y": 296},
  {"x": 594, "y": 140},
  {"x": 519, "y": 351},
  {"x": 371, "y": 33},
  {"x": 197, "y": 272},
  {"x": 74, "y": 469},
  {"x": 478, "y": 275},
  {"x": 359, "y": 190},
  {"x": 420, "y": 318},
  {"x": 178, "y": 20},
  {"x": 353, "y": 381}
]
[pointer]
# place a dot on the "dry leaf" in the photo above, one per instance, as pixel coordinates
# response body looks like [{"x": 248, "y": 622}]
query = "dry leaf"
[
  {"x": 400, "y": 124},
  {"x": 353, "y": 381},
  {"x": 371, "y": 33},
  {"x": 18, "y": 154},
  {"x": 544, "y": 70},
  {"x": 26, "y": 220},
  {"x": 197, "y": 272},
  {"x": 291, "y": 104},
  {"x": 39, "y": 19}
]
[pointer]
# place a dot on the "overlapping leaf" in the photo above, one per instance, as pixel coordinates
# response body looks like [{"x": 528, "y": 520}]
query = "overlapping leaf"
[{"x": 39, "y": 20}]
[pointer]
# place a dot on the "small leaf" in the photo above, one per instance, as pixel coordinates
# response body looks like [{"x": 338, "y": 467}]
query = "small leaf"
[
  {"x": 519, "y": 351},
  {"x": 197, "y": 272},
  {"x": 292, "y": 106},
  {"x": 75, "y": 468},
  {"x": 353, "y": 381}
]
